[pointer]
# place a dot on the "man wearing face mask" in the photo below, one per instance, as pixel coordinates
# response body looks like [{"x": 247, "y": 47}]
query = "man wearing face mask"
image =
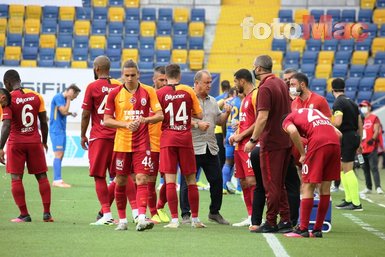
[
  {"x": 369, "y": 144},
  {"x": 306, "y": 98},
  {"x": 287, "y": 75}
]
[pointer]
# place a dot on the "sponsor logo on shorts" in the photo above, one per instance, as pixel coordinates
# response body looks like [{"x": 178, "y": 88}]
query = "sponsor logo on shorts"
[{"x": 119, "y": 164}]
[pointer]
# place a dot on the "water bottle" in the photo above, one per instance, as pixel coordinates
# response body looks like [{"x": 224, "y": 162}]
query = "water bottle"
[{"x": 360, "y": 159}]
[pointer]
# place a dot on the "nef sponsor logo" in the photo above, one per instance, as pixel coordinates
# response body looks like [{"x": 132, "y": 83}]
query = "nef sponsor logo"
[
  {"x": 24, "y": 100},
  {"x": 119, "y": 164},
  {"x": 173, "y": 97}
]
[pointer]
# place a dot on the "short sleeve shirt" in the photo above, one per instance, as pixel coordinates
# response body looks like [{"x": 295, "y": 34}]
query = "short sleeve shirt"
[
  {"x": 350, "y": 112},
  {"x": 57, "y": 121},
  {"x": 315, "y": 101},
  {"x": 247, "y": 115}
]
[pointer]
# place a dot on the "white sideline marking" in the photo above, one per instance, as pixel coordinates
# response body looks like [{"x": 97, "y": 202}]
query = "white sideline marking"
[
  {"x": 275, "y": 245},
  {"x": 364, "y": 197},
  {"x": 364, "y": 225}
]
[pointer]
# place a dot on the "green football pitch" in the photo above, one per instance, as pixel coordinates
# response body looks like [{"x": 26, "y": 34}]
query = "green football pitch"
[{"x": 353, "y": 233}]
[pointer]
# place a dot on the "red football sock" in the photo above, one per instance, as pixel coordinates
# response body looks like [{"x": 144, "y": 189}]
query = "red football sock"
[
  {"x": 251, "y": 188},
  {"x": 323, "y": 206},
  {"x": 193, "y": 199},
  {"x": 45, "y": 193},
  {"x": 102, "y": 193},
  {"x": 131, "y": 193},
  {"x": 151, "y": 198},
  {"x": 19, "y": 196},
  {"x": 172, "y": 199},
  {"x": 162, "y": 200},
  {"x": 111, "y": 192},
  {"x": 141, "y": 198},
  {"x": 121, "y": 200},
  {"x": 305, "y": 211},
  {"x": 247, "y": 198}
]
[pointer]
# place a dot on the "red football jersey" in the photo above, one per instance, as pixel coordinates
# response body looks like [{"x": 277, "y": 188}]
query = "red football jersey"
[
  {"x": 314, "y": 101},
  {"x": 247, "y": 115},
  {"x": 314, "y": 126},
  {"x": 95, "y": 100},
  {"x": 23, "y": 113},
  {"x": 178, "y": 104}
]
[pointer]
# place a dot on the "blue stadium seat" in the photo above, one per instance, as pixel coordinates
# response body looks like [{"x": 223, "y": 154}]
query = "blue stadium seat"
[
  {"x": 379, "y": 99},
  {"x": 335, "y": 13},
  {"x": 309, "y": 57},
  {"x": 3, "y": 11},
  {"x": 132, "y": 14},
  {"x": 165, "y": 14},
  {"x": 115, "y": 29},
  {"x": 364, "y": 95},
  {"x": 292, "y": 57},
  {"x": 131, "y": 41},
  {"x": 163, "y": 56},
  {"x": 356, "y": 71},
  {"x": 47, "y": 54},
  {"x": 148, "y": 14},
  {"x": 371, "y": 30},
  {"x": 279, "y": 45},
  {"x": 80, "y": 54},
  {"x": 83, "y": 13},
  {"x": 366, "y": 84},
  {"x": 115, "y": 2},
  {"x": 381, "y": 33},
  {"x": 81, "y": 42},
  {"x": 99, "y": 13},
  {"x": 364, "y": 45},
  {"x": 346, "y": 45},
  {"x": 86, "y": 3},
  {"x": 285, "y": 16},
  {"x": 145, "y": 65},
  {"x": 30, "y": 53},
  {"x": 62, "y": 64},
  {"x": 351, "y": 94},
  {"x": 379, "y": 58},
  {"x": 330, "y": 45},
  {"x": 131, "y": 27},
  {"x": 342, "y": 57},
  {"x": 114, "y": 54},
  {"x": 180, "y": 28},
  {"x": 380, "y": 3},
  {"x": 381, "y": 72},
  {"x": 365, "y": 15},
  {"x": 294, "y": 66},
  {"x": 45, "y": 63},
  {"x": 31, "y": 40},
  {"x": 340, "y": 70},
  {"x": 164, "y": 27},
  {"x": 317, "y": 13},
  {"x": 116, "y": 64},
  {"x": 98, "y": 27},
  {"x": 14, "y": 39},
  {"x": 351, "y": 84},
  {"x": 49, "y": 26},
  {"x": 371, "y": 71},
  {"x": 318, "y": 84},
  {"x": 1, "y": 55},
  {"x": 50, "y": 12},
  {"x": 64, "y": 41},
  {"x": 313, "y": 45},
  {"x": 66, "y": 27},
  {"x": 195, "y": 43},
  {"x": 308, "y": 70},
  {"x": 114, "y": 42},
  {"x": 348, "y": 15},
  {"x": 179, "y": 42},
  {"x": 329, "y": 97},
  {"x": 319, "y": 92},
  {"x": 147, "y": 55},
  {"x": 198, "y": 14},
  {"x": 147, "y": 43},
  {"x": 95, "y": 52}
]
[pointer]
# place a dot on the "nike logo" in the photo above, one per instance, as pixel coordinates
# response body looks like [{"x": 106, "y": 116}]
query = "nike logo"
[{"x": 122, "y": 101}]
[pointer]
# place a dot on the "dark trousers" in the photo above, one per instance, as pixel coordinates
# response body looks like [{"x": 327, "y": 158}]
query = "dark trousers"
[
  {"x": 371, "y": 163},
  {"x": 210, "y": 165},
  {"x": 222, "y": 152}
]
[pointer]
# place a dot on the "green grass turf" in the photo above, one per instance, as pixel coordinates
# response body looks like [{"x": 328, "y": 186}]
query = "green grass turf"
[{"x": 73, "y": 209}]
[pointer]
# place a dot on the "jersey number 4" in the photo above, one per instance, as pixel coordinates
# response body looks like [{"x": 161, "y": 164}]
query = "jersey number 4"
[{"x": 181, "y": 114}]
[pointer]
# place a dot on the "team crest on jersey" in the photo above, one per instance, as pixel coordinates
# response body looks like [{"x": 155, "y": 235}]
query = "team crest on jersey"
[
  {"x": 143, "y": 101},
  {"x": 246, "y": 104},
  {"x": 133, "y": 100},
  {"x": 119, "y": 164},
  {"x": 148, "y": 152}
]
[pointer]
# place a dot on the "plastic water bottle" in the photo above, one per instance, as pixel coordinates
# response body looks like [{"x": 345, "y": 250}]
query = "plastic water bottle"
[{"x": 360, "y": 159}]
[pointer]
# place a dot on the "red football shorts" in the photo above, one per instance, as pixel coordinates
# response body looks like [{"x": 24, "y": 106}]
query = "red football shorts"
[
  {"x": 32, "y": 154},
  {"x": 125, "y": 163},
  {"x": 243, "y": 164},
  {"x": 170, "y": 156},
  {"x": 154, "y": 167},
  {"x": 323, "y": 164},
  {"x": 100, "y": 156}
]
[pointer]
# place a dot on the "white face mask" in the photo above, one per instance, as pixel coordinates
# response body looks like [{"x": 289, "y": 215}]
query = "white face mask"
[
  {"x": 364, "y": 110},
  {"x": 293, "y": 91}
]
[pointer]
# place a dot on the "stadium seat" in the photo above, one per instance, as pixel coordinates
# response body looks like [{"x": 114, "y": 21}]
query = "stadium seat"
[
  {"x": 279, "y": 45},
  {"x": 179, "y": 42},
  {"x": 380, "y": 4},
  {"x": 64, "y": 41},
  {"x": 99, "y": 3},
  {"x": 16, "y": 11},
  {"x": 80, "y": 54},
  {"x": 95, "y": 52},
  {"x": 163, "y": 56},
  {"x": 330, "y": 45},
  {"x": 49, "y": 26},
  {"x": 63, "y": 54},
  {"x": 313, "y": 45},
  {"x": 79, "y": 64},
  {"x": 97, "y": 41},
  {"x": 198, "y": 14},
  {"x": 146, "y": 55},
  {"x": 3, "y": 26},
  {"x": 83, "y": 13},
  {"x": 371, "y": 30},
  {"x": 196, "y": 43},
  {"x": 196, "y": 29},
  {"x": 28, "y": 63},
  {"x": 147, "y": 66},
  {"x": 12, "y": 55},
  {"x": 342, "y": 57},
  {"x": 323, "y": 71},
  {"x": 50, "y": 12},
  {"x": 379, "y": 58},
  {"x": 163, "y": 43},
  {"x": 318, "y": 84},
  {"x": 148, "y": 14},
  {"x": 317, "y": 13},
  {"x": 335, "y": 13},
  {"x": 15, "y": 26},
  {"x": 179, "y": 56},
  {"x": 99, "y": 27},
  {"x": 351, "y": 84},
  {"x": 115, "y": 2},
  {"x": 46, "y": 57},
  {"x": 131, "y": 3},
  {"x": 329, "y": 85},
  {"x": 115, "y": 29},
  {"x": 365, "y": 15},
  {"x": 164, "y": 28},
  {"x": 147, "y": 28},
  {"x": 131, "y": 41},
  {"x": 33, "y": 12},
  {"x": 180, "y": 28},
  {"x": 4, "y": 11},
  {"x": 131, "y": 27},
  {"x": 368, "y": 4},
  {"x": 325, "y": 57},
  {"x": 356, "y": 71},
  {"x": 128, "y": 54},
  {"x": 297, "y": 45},
  {"x": 360, "y": 57},
  {"x": 292, "y": 58},
  {"x": 277, "y": 57},
  {"x": 14, "y": 40},
  {"x": 379, "y": 17},
  {"x": 181, "y": 15},
  {"x": 82, "y": 28},
  {"x": 346, "y": 45},
  {"x": 379, "y": 99},
  {"x": 340, "y": 70},
  {"x": 114, "y": 43},
  {"x": 99, "y": 13},
  {"x": 47, "y": 41},
  {"x": 116, "y": 14},
  {"x": 66, "y": 13},
  {"x": 147, "y": 43},
  {"x": 196, "y": 58},
  {"x": 330, "y": 98},
  {"x": 351, "y": 95},
  {"x": 366, "y": 84},
  {"x": 348, "y": 15},
  {"x": 308, "y": 70},
  {"x": 2, "y": 42},
  {"x": 381, "y": 73},
  {"x": 382, "y": 31},
  {"x": 298, "y": 15},
  {"x": 364, "y": 95},
  {"x": 31, "y": 40},
  {"x": 379, "y": 84},
  {"x": 371, "y": 71},
  {"x": 165, "y": 14},
  {"x": 66, "y": 27},
  {"x": 363, "y": 45},
  {"x": 378, "y": 45},
  {"x": 114, "y": 54},
  {"x": 285, "y": 16},
  {"x": 309, "y": 57},
  {"x": 132, "y": 14},
  {"x": 29, "y": 53}
]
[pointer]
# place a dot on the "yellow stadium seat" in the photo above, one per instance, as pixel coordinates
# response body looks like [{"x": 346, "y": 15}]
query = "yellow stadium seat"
[
  {"x": 63, "y": 54},
  {"x": 15, "y": 26},
  {"x": 147, "y": 28},
  {"x": 277, "y": 57},
  {"x": 163, "y": 43},
  {"x": 47, "y": 41},
  {"x": 179, "y": 56},
  {"x": 367, "y": 4},
  {"x": 32, "y": 26},
  {"x": 325, "y": 57},
  {"x": 128, "y": 54},
  {"x": 196, "y": 58},
  {"x": 298, "y": 15},
  {"x": 116, "y": 14},
  {"x": 329, "y": 84},
  {"x": 16, "y": 11},
  {"x": 378, "y": 44},
  {"x": 99, "y": 3},
  {"x": 297, "y": 45},
  {"x": 360, "y": 57},
  {"x": 379, "y": 85},
  {"x": 28, "y": 63},
  {"x": 33, "y": 12},
  {"x": 379, "y": 17},
  {"x": 323, "y": 71},
  {"x": 79, "y": 64},
  {"x": 82, "y": 28},
  {"x": 3, "y": 26},
  {"x": 97, "y": 42},
  {"x": 131, "y": 3},
  {"x": 12, "y": 53},
  {"x": 67, "y": 13},
  {"x": 196, "y": 29},
  {"x": 2, "y": 40},
  {"x": 181, "y": 15}
]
